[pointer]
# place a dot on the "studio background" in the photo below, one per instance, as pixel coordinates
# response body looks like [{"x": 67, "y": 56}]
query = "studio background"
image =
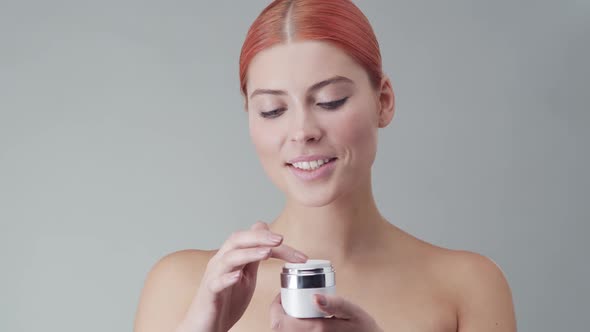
[{"x": 123, "y": 139}]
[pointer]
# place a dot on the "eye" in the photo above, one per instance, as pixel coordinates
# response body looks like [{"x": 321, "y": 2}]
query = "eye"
[
  {"x": 273, "y": 113},
  {"x": 333, "y": 104}
]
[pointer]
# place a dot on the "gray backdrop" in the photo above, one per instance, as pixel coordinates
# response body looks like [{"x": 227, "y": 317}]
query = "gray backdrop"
[{"x": 122, "y": 139}]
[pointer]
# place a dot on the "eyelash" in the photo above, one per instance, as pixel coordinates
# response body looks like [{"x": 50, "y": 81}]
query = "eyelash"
[{"x": 332, "y": 105}]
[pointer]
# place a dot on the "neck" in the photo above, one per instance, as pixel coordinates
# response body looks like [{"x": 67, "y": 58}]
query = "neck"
[{"x": 344, "y": 231}]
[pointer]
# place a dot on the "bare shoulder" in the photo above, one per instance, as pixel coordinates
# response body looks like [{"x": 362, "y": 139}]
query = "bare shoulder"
[
  {"x": 169, "y": 288},
  {"x": 480, "y": 289},
  {"x": 474, "y": 283}
]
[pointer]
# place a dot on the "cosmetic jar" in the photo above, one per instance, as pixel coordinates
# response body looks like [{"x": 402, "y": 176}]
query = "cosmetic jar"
[{"x": 300, "y": 281}]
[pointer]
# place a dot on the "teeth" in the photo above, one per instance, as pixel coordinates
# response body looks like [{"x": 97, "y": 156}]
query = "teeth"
[{"x": 311, "y": 165}]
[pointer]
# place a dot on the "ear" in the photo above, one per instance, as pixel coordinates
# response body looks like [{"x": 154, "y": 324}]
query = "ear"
[
  {"x": 386, "y": 102},
  {"x": 245, "y": 99}
]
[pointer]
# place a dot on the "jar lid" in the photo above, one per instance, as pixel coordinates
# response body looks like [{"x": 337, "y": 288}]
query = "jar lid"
[
  {"x": 315, "y": 273},
  {"x": 310, "y": 264}
]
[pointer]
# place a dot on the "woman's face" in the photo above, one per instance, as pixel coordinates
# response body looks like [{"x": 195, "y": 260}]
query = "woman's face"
[{"x": 310, "y": 100}]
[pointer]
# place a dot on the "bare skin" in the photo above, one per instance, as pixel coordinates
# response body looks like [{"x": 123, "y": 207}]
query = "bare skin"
[
  {"x": 399, "y": 286},
  {"x": 410, "y": 286},
  {"x": 386, "y": 278}
]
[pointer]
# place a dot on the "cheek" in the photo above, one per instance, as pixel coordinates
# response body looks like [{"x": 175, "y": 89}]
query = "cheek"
[
  {"x": 358, "y": 132},
  {"x": 263, "y": 138}
]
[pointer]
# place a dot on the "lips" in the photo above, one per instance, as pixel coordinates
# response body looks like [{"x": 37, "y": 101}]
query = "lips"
[
  {"x": 311, "y": 170},
  {"x": 311, "y": 165},
  {"x": 309, "y": 158}
]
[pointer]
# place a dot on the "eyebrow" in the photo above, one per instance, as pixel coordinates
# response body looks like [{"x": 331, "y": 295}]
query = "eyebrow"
[{"x": 316, "y": 86}]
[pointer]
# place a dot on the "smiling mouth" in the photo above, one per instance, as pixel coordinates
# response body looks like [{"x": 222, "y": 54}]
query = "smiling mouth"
[{"x": 311, "y": 165}]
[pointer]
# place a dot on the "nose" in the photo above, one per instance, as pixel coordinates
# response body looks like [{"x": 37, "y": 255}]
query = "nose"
[{"x": 305, "y": 127}]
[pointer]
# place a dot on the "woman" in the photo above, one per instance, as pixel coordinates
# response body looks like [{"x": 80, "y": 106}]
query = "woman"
[{"x": 316, "y": 96}]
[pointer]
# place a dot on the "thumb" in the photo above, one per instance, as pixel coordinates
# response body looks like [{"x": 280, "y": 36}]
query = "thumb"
[{"x": 337, "y": 306}]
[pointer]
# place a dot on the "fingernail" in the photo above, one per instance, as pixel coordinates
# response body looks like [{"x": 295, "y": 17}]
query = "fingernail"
[
  {"x": 274, "y": 324},
  {"x": 263, "y": 251},
  {"x": 321, "y": 300},
  {"x": 275, "y": 238},
  {"x": 237, "y": 274},
  {"x": 300, "y": 256}
]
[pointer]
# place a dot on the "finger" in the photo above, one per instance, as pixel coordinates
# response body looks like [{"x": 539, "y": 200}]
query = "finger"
[
  {"x": 283, "y": 251},
  {"x": 236, "y": 259},
  {"x": 251, "y": 238},
  {"x": 338, "y": 306},
  {"x": 260, "y": 225},
  {"x": 224, "y": 281},
  {"x": 281, "y": 321},
  {"x": 277, "y": 313},
  {"x": 252, "y": 268},
  {"x": 288, "y": 254}
]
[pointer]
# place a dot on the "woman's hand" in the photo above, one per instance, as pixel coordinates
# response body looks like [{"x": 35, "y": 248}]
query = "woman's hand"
[
  {"x": 230, "y": 278},
  {"x": 346, "y": 316}
]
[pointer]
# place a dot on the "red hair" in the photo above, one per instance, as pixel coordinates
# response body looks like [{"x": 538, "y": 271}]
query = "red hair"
[{"x": 340, "y": 22}]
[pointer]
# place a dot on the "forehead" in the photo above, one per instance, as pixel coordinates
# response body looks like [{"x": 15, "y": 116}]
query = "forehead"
[{"x": 297, "y": 65}]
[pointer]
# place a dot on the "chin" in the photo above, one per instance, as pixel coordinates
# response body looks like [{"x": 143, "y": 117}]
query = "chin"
[
  {"x": 311, "y": 198},
  {"x": 313, "y": 202}
]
